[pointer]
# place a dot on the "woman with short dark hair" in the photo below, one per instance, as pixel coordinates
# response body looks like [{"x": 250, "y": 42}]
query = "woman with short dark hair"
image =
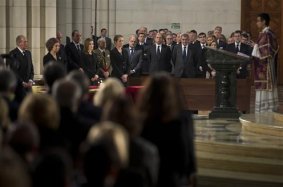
[{"x": 53, "y": 47}]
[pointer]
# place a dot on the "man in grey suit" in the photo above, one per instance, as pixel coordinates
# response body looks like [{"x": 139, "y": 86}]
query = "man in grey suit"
[
  {"x": 135, "y": 56},
  {"x": 184, "y": 59}
]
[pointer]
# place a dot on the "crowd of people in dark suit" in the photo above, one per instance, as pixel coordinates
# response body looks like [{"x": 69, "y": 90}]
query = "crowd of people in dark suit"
[
  {"x": 65, "y": 138},
  {"x": 182, "y": 54}
]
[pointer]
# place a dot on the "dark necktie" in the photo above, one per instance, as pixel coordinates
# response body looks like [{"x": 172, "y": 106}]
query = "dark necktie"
[
  {"x": 103, "y": 53},
  {"x": 131, "y": 51},
  {"x": 78, "y": 47},
  {"x": 237, "y": 47},
  {"x": 184, "y": 54},
  {"x": 158, "y": 52}
]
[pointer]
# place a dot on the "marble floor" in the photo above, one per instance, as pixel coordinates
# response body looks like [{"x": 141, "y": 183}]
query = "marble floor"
[{"x": 227, "y": 155}]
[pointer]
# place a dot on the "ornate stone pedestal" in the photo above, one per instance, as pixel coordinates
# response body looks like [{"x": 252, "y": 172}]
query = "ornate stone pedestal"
[{"x": 226, "y": 65}]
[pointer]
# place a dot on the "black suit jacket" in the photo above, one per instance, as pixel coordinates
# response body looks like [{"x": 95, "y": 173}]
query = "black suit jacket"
[
  {"x": 221, "y": 45},
  {"x": 22, "y": 65},
  {"x": 49, "y": 58},
  {"x": 148, "y": 41},
  {"x": 119, "y": 62},
  {"x": 162, "y": 63},
  {"x": 90, "y": 65},
  {"x": 187, "y": 68},
  {"x": 135, "y": 60},
  {"x": 108, "y": 42},
  {"x": 73, "y": 56},
  {"x": 245, "y": 49},
  {"x": 201, "y": 60}
]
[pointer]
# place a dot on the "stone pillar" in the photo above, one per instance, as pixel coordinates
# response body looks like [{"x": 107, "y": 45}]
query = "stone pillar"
[
  {"x": 77, "y": 15},
  {"x": 47, "y": 28},
  {"x": 87, "y": 19},
  {"x": 16, "y": 21},
  {"x": 3, "y": 26},
  {"x": 34, "y": 33}
]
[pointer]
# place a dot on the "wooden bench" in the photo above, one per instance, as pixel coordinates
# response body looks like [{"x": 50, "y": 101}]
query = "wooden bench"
[{"x": 200, "y": 93}]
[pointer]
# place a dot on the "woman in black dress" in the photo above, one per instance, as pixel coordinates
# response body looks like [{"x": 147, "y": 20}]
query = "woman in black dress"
[
  {"x": 119, "y": 60},
  {"x": 89, "y": 62},
  {"x": 53, "y": 47}
]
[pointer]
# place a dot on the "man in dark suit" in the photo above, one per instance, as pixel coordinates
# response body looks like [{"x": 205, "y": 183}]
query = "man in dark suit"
[
  {"x": 185, "y": 59},
  {"x": 107, "y": 39},
  {"x": 141, "y": 45},
  {"x": 238, "y": 47},
  {"x": 61, "y": 52},
  {"x": 200, "y": 46},
  {"x": 169, "y": 42},
  {"x": 73, "y": 51},
  {"x": 218, "y": 33},
  {"x": 147, "y": 40},
  {"x": 22, "y": 62},
  {"x": 135, "y": 56},
  {"x": 159, "y": 56}
]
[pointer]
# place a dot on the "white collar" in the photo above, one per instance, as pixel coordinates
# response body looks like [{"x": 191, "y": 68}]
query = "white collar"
[
  {"x": 22, "y": 51},
  {"x": 237, "y": 43},
  {"x": 102, "y": 50},
  {"x": 265, "y": 29},
  {"x": 184, "y": 46}
]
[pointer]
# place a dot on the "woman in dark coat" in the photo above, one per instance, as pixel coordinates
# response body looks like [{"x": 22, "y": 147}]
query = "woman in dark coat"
[
  {"x": 89, "y": 62},
  {"x": 168, "y": 126},
  {"x": 53, "y": 47},
  {"x": 119, "y": 60}
]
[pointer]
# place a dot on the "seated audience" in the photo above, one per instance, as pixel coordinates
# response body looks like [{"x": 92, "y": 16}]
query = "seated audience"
[
  {"x": 52, "y": 72},
  {"x": 106, "y": 154},
  {"x": 13, "y": 172},
  {"x": 42, "y": 111},
  {"x": 110, "y": 89},
  {"x": 143, "y": 156}
]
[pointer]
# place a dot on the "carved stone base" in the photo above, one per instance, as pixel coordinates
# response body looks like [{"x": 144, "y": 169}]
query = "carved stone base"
[{"x": 218, "y": 112}]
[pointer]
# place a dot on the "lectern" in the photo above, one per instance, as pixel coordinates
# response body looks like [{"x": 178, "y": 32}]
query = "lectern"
[{"x": 226, "y": 65}]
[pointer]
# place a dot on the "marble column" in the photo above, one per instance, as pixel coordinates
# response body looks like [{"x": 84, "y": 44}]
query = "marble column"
[
  {"x": 77, "y": 15},
  {"x": 3, "y": 26},
  {"x": 16, "y": 21}
]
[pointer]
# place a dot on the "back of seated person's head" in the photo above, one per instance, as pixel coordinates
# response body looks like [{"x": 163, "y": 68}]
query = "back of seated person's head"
[
  {"x": 41, "y": 110},
  {"x": 23, "y": 138},
  {"x": 111, "y": 88},
  {"x": 52, "y": 169},
  {"x": 13, "y": 172},
  {"x": 53, "y": 71},
  {"x": 122, "y": 111},
  {"x": 67, "y": 93},
  {"x": 8, "y": 82},
  {"x": 4, "y": 115},
  {"x": 106, "y": 152},
  {"x": 82, "y": 81},
  {"x": 160, "y": 99}
]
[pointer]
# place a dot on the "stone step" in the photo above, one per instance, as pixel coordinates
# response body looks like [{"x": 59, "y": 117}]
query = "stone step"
[
  {"x": 263, "y": 123},
  {"x": 223, "y": 178},
  {"x": 246, "y": 164}
]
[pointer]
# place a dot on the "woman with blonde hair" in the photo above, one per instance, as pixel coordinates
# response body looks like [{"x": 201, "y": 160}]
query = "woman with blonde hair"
[{"x": 110, "y": 89}]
